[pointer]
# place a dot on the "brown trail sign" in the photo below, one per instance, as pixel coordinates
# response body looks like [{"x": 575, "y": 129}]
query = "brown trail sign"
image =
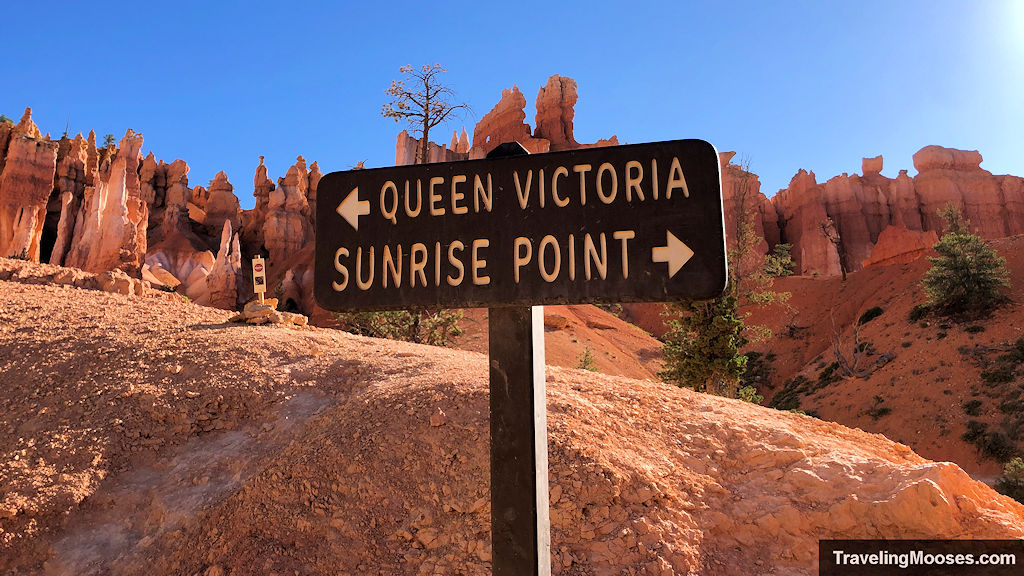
[
  {"x": 638, "y": 223},
  {"x": 618, "y": 224}
]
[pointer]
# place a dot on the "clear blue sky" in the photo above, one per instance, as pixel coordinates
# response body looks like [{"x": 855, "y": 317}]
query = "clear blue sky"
[{"x": 789, "y": 85}]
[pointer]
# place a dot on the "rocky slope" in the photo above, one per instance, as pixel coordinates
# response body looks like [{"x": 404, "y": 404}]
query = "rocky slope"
[
  {"x": 935, "y": 369},
  {"x": 145, "y": 434}
]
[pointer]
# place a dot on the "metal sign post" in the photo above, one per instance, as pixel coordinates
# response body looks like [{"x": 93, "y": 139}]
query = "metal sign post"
[
  {"x": 520, "y": 525},
  {"x": 520, "y": 522},
  {"x": 514, "y": 231}
]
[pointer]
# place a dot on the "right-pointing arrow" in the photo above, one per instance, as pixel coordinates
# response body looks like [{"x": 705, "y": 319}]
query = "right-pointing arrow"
[{"x": 675, "y": 253}]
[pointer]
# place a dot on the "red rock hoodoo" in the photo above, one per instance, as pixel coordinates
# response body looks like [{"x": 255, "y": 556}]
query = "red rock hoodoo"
[{"x": 72, "y": 203}]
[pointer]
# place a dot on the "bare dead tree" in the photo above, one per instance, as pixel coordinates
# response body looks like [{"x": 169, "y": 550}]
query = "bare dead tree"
[
  {"x": 856, "y": 365},
  {"x": 423, "y": 104},
  {"x": 793, "y": 328},
  {"x": 829, "y": 231}
]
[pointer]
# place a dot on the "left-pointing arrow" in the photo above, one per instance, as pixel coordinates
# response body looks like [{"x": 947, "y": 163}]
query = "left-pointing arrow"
[{"x": 351, "y": 208}]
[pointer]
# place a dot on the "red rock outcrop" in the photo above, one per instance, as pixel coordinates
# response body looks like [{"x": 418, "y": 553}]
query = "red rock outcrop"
[
  {"x": 226, "y": 273},
  {"x": 178, "y": 195},
  {"x": 6, "y": 129},
  {"x": 506, "y": 122},
  {"x": 1012, "y": 188},
  {"x": 407, "y": 148},
  {"x": 255, "y": 219},
  {"x": 288, "y": 225},
  {"x": 871, "y": 165},
  {"x": 947, "y": 175},
  {"x": 556, "y": 103},
  {"x": 314, "y": 181},
  {"x": 28, "y": 167},
  {"x": 801, "y": 210},
  {"x": 72, "y": 180},
  {"x": 460, "y": 142},
  {"x": 897, "y": 245},
  {"x": 741, "y": 192},
  {"x": 222, "y": 204},
  {"x": 862, "y": 207},
  {"x": 110, "y": 232}
]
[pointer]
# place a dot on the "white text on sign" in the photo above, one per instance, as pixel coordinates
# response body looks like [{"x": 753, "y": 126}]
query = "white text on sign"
[{"x": 465, "y": 194}]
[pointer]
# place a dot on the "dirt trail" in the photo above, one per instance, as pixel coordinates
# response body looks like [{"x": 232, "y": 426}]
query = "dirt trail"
[{"x": 130, "y": 510}]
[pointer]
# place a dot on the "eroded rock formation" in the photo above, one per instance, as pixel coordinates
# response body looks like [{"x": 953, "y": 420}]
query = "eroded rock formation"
[
  {"x": 862, "y": 207},
  {"x": 72, "y": 180},
  {"x": 108, "y": 208},
  {"x": 110, "y": 232},
  {"x": 741, "y": 194},
  {"x": 506, "y": 122},
  {"x": 222, "y": 205},
  {"x": 28, "y": 166},
  {"x": 288, "y": 224},
  {"x": 407, "y": 148},
  {"x": 897, "y": 245},
  {"x": 226, "y": 273}
]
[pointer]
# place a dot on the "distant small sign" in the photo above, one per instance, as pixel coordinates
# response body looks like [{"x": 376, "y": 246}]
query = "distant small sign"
[{"x": 259, "y": 276}]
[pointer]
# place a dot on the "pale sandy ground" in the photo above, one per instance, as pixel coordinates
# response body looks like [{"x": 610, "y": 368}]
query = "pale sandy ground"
[{"x": 145, "y": 435}]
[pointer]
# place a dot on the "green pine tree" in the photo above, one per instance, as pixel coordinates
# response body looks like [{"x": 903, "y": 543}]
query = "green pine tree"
[
  {"x": 436, "y": 328},
  {"x": 1011, "y": 483},
  {"x": 967, "y": 277},
  {"x": 587, "y": 361},
  {"x": 702, "y": 346}
]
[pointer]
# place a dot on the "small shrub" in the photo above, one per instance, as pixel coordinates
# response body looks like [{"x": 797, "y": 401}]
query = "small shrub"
[
  {"x": 972, "y": 407},
  {"x": 423, "y": 327},
  {"x": 1011, "y": 483},
  {"x": 749, "y": 394},
  {"x": 586, "y": 361},
  {"x": 830, "y": 375},
  {"x": 23, "y": 255},
  {"x": 975, "y": 430},
  {"x": 1011, "y": 406},
  {"x": 759, "y": 369},
  {"x": 997, "y": 446},
  {"x": 905, "y": 344},
  {"x": 920, "y": 311},
  {"x": 974, "y": 329},
  {"x": 877, "y": 411},
  {"x": 1000, "y": 374},
  {"x": 994, "y": 445},
  {"x": 870, "y": 314},
  {"x": 789, "y": 397},
  {"x": 940, "y": 335}
]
